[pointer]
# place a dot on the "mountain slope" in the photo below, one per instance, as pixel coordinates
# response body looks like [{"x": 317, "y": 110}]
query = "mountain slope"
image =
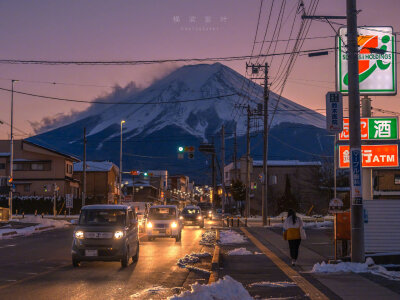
[{"x": 154, "y": 128}]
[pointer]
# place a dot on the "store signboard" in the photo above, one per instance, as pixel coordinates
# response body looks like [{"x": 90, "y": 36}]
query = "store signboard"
[
  {"x": 381, "y": 128},
  {"x": 376, "y": 61},
  {"x": 373, "y": 156}
]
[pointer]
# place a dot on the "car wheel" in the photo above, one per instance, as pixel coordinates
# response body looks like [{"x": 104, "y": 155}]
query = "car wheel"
[
  {"x": 178, "y": 237},
  {"x": 135, "y": 258},
  {"x": 125, "y": 259},
  {"x": 75, "y": 263}
]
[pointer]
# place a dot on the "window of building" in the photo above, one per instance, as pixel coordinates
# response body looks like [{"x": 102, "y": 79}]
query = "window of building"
[
  {"x": 2, "y": 166},
  {"x": 69, "y": 169},
  {"x": 32, "y": 166},
  {"x": 397, "y": 179},
  {"x": 27, "y": 188}
]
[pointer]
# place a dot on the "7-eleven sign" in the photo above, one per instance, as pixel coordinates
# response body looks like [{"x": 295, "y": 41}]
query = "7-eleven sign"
[{"x": 376, "y": 61}]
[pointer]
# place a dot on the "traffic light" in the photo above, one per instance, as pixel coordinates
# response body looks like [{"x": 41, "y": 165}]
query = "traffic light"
[
  {"x": 145, "y": 174},
  {"x": 135, "y": 173},
  {"x": 45, "y": 188},
  {"x": 10, "y": 181},
  {"x": 181, "y": 149},
  {"x": 191, "y": 155}
]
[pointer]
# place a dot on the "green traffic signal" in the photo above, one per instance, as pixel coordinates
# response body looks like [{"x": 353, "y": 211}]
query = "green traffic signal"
[
  {"x": 180, "y": 149},
  {"x": 145, "y": 174}
]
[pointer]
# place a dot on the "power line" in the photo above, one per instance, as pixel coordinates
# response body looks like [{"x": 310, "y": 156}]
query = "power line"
[
  {"x": 147, "y": 62},
  {"x": 120, "y": 103}
]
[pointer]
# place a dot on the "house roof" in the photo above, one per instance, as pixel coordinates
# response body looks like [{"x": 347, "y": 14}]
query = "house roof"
[
  {"x": 51, "y": 150},
  {"x": 105, "y": 206},
  {"x": 94, "y": 166}
]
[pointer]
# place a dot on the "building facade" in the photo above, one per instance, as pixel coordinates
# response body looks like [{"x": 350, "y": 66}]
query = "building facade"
[
  {"x": 102, "y": 181},
  {"x": 37, "y": 170}
]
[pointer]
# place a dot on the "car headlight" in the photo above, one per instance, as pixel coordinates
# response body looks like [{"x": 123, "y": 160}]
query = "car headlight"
[
  {"x": 118, "y": 234},
  {"x": 174, "y": 225},
  {"x": 210, "y": 212},
  {"x": 199, "y": 217},
  {"x": 79, "y": 234},
  {"x": 149, "y": 225},
  {"x": 181, "y": 218}
]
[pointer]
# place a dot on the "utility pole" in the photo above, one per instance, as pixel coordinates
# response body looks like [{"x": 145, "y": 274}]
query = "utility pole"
[
  {"x": 214, "y": 175},
  {"x": 335, "y": 167},
  {"x": 223, "y": 167},
  {"x": 235, "y": 155},
  {"x": 120, "y": 167},
  {"x": 357, "y": 220},
  {"x": 84, "y": 167},
  {"x": 356, "y": 186},
  {"x": 248, "y": 164},
  {"x": 10, "y": 204},
  {"x": 367, "y": 191},
  {"x": 265, "y": 149}
]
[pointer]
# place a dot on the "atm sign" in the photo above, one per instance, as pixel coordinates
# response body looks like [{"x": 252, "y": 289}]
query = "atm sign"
[{"x": 373, "y": 156}]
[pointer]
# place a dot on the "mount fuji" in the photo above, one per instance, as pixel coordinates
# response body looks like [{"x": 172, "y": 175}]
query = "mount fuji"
[{"x": 186, "y": 108}]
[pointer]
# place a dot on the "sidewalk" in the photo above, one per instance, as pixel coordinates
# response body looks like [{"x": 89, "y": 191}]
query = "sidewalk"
[{"x": 273, "y": 269}]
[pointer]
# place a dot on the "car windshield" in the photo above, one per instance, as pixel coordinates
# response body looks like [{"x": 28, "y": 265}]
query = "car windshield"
[
  {"x": 191, "y": 211},
  {"x": 162, "y": 213},
  {"x": 107, "y": 217}
]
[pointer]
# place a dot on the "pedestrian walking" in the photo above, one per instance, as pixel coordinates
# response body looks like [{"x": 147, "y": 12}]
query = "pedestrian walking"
[{"x": 293, "y": 232}]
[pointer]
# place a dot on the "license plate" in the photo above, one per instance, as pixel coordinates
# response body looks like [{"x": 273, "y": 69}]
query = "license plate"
[{"x": 90, "y": 252}]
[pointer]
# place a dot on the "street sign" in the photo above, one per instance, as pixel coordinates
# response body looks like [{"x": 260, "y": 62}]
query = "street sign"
[
  {"x": 381, "y": 128},
  {"x": 355, "y": 176},
  {"x": 373, "y": 156},
  {"x": 335, "y": 205},
  {"x": 69, "y": 201},
  {"x": 334, "y": 112},
  {"x": 376, "y": 61}
]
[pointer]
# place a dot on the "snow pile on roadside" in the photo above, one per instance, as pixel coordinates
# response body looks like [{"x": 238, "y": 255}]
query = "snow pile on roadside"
[
  {"x": 208, "y": 238},
  {"x": 44, "y": 221},
  {"x": 224, "y": 289},
  {"x": 41, "y": 225},
  {"x": 319, "y": 225},
  {"x": 196, "y": 269},
  {"x": 158, "y": 291},
  {"x": 276, "y": 284},
  {"x": 239, "y": 251},
  {"x": 191, "y": 259},
  {"x": 231, "y": 237},
  {"x": 367, "y": 267}
]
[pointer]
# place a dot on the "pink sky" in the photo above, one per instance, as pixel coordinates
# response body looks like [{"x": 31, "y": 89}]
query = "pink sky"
[{"x": 148, "y": 29}]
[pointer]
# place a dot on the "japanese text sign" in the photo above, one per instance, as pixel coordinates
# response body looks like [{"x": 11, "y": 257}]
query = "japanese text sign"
[
  {"x": 334, "y": 112},
  {"x": 373, "y": 156},
  {"x": 376, "y": 61},
  {"x": 381, "y": 128}
]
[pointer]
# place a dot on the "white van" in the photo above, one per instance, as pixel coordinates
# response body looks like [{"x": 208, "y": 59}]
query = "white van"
[{"x": 163, "y": 221}]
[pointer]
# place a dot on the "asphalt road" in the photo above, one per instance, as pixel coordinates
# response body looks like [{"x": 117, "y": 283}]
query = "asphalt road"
[{"x": 39, "y": 267}]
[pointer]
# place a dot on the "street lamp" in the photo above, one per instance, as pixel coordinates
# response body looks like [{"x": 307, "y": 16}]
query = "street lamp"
[
  {"x": 120, "y": 166},
  {"x": 11, "y": 147}
]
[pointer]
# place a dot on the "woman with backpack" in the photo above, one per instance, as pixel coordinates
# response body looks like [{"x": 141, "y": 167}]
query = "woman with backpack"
[{"x": 293, "y": 232}]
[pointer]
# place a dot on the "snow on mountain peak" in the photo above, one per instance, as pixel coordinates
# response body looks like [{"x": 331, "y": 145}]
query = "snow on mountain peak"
[{"x": 198, "y": 118}]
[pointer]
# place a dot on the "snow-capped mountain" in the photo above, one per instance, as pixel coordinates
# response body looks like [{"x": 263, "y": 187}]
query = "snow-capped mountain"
[{"x": 163, "y": 116}]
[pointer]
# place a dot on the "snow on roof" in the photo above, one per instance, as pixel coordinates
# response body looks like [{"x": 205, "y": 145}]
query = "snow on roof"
[
  {"x": 94, "y": 166},
  {"x": 4, "y": 153},
  {"x": 259, "y": 163}
]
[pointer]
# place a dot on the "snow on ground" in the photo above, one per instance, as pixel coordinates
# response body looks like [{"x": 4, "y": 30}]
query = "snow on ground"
[
  {"x": 231, "y": 237},
  {"x": 239, "y": 251},
  {"x": 155, "y": 291},
  {"x": 208, "y": 238},
  {"x": 367, "y": 267},
  {"x": 276, "y": 284},
  {"x": 224, "y": 289},
  {"x": 319, "y": 225},
  {"x": 46, "y": 224},
  {"x": 191, "y": 259}
]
